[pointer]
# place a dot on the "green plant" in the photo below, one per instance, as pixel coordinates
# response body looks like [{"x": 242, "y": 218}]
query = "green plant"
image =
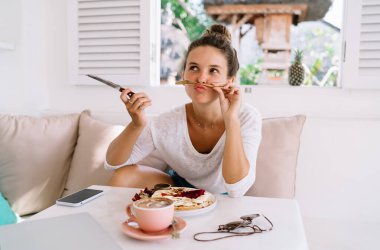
[
  {"x": 249, "y": 75},
  {"x": 315, "y": 68},
  {"x": 320, "y": 49},
  {"x": 195, "y": 22}
]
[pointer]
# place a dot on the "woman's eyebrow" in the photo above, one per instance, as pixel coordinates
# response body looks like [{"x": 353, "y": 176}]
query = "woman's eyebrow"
[
  {"x": 215, "y": 66},
  {"x": 209, "y": 66}
]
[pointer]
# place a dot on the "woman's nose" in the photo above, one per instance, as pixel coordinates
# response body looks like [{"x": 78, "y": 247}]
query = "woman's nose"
[{"x": 202, "y": 78}]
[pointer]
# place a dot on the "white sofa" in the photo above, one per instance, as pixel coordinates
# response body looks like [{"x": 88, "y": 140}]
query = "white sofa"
[{"x": 45, "y": 158}]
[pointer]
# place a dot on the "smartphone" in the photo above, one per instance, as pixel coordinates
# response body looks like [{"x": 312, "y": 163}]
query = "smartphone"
[{"x": 80, "y": 197}]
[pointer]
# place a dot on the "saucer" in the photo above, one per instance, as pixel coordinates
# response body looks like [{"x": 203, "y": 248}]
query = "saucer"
[{"x": 137, "y": 233}]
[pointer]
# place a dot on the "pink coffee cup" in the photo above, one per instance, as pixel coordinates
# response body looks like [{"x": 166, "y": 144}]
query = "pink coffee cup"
[{"x": 151, "y": 214}]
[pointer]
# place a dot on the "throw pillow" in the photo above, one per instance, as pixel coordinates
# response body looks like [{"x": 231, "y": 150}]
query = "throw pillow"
[
  {"x": 7, "y": 216},
  {"x": 277, "y": 157},
  {"x": 87, "y": 166},
  {"x": 35, "y": 155}
]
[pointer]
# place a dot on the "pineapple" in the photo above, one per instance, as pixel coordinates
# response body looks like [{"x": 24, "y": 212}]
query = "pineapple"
[{"x": 296, "y": 70}]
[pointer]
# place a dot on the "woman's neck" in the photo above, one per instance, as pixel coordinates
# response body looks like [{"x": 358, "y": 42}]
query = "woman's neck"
[{"x": 205, "y": 116}]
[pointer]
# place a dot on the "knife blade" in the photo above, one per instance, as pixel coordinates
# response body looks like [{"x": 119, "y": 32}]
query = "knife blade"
[{"x": 111, "y": 84}]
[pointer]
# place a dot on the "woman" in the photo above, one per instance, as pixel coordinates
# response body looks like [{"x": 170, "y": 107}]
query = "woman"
[{"x": 210, "y": 143}]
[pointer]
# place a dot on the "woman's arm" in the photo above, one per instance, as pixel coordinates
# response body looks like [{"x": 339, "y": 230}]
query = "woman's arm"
[
  {"x": 235, "y": 163},
  {"x": 121, "y": 147}
]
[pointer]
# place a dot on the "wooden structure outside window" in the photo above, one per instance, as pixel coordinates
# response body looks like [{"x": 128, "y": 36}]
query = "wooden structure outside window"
[{"x": 273, "y": 29}]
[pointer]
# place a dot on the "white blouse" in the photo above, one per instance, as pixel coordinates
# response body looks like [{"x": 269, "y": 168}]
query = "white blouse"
[{"x": 166, "y": 141}]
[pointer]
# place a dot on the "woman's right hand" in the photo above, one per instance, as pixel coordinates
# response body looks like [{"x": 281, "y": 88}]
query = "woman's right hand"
[{"x": 136, "y": 106}]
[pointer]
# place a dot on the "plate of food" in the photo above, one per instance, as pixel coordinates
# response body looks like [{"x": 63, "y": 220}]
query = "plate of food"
[{"x": 187, "y": 201}]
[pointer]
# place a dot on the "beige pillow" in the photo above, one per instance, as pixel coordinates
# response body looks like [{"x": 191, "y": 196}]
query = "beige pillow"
[
  {"x": 277, "y": 157},
  {"x": 35, "y": 155},
  {"x": 87, "y": 166}
]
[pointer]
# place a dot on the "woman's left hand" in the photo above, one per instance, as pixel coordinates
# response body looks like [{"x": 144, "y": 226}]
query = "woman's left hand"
[{"x": 230, "y": 99}]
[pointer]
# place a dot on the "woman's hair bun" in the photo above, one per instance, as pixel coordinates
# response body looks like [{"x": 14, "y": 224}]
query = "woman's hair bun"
[{"x": 218, "y": 29}]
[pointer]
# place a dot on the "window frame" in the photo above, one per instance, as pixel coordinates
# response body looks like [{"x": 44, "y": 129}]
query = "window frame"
[{"x": 351, "y": 76}]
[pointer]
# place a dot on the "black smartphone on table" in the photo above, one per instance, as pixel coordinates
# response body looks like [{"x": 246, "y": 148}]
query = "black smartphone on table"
[{"x": 79, "y": 198}]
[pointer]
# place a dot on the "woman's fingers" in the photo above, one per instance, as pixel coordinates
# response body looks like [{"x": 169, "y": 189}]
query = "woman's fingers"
[
  {"x": 138, "y": 103},
  {"x": 234, "y": 90},
  {"x": 228, "y": 90},
  {"x": 138, "y": 96},
  {"x": 145, "y": 105},
  {"x": 124, "y": 95},
  {"x": 137, "y": 106},
  {"x": 219, "y": 91}
]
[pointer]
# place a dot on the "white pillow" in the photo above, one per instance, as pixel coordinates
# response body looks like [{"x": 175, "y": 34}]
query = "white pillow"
[
  {"x": 35, "y": 155},
  {"x": 87, "y": 166},
  {"x": 277, "y": 157}
]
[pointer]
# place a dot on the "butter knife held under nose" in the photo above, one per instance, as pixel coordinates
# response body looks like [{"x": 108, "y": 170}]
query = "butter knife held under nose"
[{"x": 111, "y": 84}]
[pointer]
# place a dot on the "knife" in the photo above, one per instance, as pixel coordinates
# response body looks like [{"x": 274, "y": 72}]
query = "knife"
[{"x": 111, "y": 84}]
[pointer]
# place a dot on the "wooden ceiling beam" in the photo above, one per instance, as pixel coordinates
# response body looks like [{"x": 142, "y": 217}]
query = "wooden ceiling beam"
[
  {"x": 231, "y": 9},
  {"x": 222, "y": 17},
  {"x": 244, "y": 19}
]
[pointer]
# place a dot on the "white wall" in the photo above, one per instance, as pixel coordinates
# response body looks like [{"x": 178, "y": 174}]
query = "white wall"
[
  {"x": 339, "y": 162},
  {"x": 23, "y": 70}
]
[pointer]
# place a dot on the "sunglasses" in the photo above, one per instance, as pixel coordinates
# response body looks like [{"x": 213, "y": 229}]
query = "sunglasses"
[{"x": 236, "y": 228}]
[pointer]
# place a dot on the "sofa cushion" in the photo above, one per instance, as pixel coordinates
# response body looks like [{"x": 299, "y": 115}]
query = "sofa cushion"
[
  {"x": 35, "y": 157},
  {"x": 277, "y": 157},
  {"x": 87, "y": 166}
]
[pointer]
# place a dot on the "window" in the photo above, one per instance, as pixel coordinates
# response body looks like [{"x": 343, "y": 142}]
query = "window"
[
  {"x": 119, "y": 40},
  {"x": 266, "y": 39},
  {"x": 351, "y": 51},
  {"x": 114, "y": 39},
  {"x": 361, "y": 63}
]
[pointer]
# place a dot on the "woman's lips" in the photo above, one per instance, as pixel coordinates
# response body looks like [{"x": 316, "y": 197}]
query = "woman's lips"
[{"x": 199, "y": 88}]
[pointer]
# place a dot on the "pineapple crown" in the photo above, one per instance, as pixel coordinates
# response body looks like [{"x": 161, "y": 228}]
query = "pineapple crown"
[{"x": 298, "y": 56}]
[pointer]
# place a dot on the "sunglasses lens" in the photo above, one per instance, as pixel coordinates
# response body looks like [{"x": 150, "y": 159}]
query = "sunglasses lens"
[
  {"x": 230, "y": 226},
  {"x": 249, "y": 217}
]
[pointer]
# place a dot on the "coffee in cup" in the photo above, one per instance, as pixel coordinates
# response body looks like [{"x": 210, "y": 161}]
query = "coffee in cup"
[
  {"x": 151, "y": 214},
  {"x": 153, "y": 203}
]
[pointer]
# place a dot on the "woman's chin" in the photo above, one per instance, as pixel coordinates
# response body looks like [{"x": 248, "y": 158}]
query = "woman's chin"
[{"x": 203, "y": 99}]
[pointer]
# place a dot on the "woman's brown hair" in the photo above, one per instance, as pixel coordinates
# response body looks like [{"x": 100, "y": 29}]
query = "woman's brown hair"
[{"x": 219, "y": 37}]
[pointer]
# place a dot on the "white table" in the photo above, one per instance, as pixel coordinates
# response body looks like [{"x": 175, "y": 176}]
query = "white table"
[{"x": 109, "y": 211}]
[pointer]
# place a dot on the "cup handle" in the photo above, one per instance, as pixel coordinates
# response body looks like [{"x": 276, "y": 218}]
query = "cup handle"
[{"x": 132, "y": 218}]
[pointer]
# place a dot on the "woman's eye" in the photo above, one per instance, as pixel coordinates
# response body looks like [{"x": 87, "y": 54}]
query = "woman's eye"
[
  {"x": 193, "y": 68},
  {"x": 213, "y": 70}
]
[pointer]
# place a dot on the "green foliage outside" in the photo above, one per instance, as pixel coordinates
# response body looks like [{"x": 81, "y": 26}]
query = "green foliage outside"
[
  {"x": 321, "y": 57},
  {"x": 314, "y": 69},
  {"x": 250, "y": 73},
  {"x": 195, "y": 23}
]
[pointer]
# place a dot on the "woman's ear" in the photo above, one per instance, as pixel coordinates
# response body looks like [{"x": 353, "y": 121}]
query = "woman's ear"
[{"x": 231, "y": 81}]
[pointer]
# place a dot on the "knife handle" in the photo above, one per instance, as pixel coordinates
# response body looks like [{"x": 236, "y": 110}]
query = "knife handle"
[{"x": 129, "y": 94}]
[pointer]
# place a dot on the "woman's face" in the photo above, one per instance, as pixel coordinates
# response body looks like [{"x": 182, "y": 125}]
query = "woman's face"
[{"x": 205, "y": 64}]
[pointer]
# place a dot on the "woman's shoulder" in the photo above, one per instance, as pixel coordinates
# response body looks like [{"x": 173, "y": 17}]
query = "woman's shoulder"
[{"x": 249, "y": 112}]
